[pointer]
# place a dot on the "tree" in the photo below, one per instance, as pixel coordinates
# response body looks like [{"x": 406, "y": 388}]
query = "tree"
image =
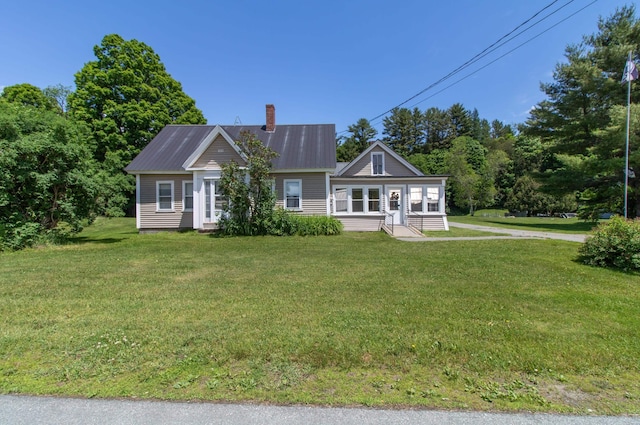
[
  {"x": 471, "y": 180},
  {"x": 28, "y": 95},
  {"x": 59, "y": 94},
  {"x": 126, "y": 97},
  {"x": 580, "y": 106},
  {"x": 404, "y": 131},
  {"x": 362, "y": 133},
  {"x": 248, "y": 190},
  {"x": 47, "y": 176}
]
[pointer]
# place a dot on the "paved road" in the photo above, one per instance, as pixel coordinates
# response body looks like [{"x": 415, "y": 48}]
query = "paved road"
[{"x": 19, "y": 410}]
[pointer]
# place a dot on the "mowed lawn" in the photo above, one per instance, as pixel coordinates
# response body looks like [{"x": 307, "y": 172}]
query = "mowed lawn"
[{"x": 356, "y": 319}]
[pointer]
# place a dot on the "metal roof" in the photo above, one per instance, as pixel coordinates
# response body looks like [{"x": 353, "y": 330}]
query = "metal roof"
[{"x": 304, "y": 146}]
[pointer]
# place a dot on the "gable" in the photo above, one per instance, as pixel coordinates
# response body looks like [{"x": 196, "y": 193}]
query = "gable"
[
  {"x": 216, "y": 154},
  {"x": 394, "y": 165}
]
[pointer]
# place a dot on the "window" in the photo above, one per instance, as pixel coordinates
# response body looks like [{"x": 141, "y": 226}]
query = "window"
[
  {"x": 214, "y": 202},
  {"x": 293, "y": 194},
  {"x": 416, "y": 199},
  {"x": 374, "y": 199},
  {"x": 187, "y": 196},
  {"x": 433, "y": 198},
  {"x": 164, "y": 196},
  {"x": 357, "y": 199},
  {"x": 341, "y": 199},
  {"x": 377, "y": 163}
]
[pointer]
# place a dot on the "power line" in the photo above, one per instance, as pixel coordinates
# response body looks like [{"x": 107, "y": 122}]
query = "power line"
[
  {"x": 480, "y": 55},
  {"x": 503, "y": 55},
  {"x": 490, "y": 49}
]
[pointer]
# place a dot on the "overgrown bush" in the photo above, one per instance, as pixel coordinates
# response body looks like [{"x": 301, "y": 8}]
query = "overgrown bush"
[
  {"x": 317, "y": 225},
  {"x": 614, "y": 244},
  {"x": 285, "y": 223}
]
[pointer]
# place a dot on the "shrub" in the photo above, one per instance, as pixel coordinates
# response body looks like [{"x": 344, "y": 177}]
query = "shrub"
[
  {"x": 614, "y": 244},
  {"x": 285, "y": 223}
]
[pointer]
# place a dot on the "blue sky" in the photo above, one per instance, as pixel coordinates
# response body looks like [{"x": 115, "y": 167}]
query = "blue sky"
[{"x": 317, "y": 61}]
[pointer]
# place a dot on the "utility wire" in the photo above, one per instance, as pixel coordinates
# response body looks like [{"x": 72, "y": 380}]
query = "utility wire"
[
  {"x": 503, "y": 55},
  {"x": 490, "y": 49},
  {"x": 482, "y": 54}
]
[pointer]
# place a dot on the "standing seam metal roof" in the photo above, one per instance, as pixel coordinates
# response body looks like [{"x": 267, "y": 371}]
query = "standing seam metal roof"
[{"x": 303, "y": 146}]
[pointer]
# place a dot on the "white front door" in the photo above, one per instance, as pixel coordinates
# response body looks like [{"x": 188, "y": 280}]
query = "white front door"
[{"x": 395, "y": 204}]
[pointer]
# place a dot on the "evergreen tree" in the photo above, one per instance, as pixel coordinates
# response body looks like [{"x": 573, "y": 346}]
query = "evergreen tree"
[
  {"x": 404, "y": 131},
  {"x": 579, "y": 114}
]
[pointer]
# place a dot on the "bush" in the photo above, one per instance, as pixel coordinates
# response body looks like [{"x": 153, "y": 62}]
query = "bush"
[
  {"x": 285, "y": 223},
  {"x": 614, "y": 244}
]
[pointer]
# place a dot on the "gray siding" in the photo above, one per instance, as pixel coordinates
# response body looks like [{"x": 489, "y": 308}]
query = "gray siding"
[
  {"x": 427, "y": 222},
  {"x": 149, "y": 217},
  {"x": 314, "y": 191},
  {"x": 219, "y": 152},
  {"x": 392, "y": 167},
  {"x": 361, "y": 223}
]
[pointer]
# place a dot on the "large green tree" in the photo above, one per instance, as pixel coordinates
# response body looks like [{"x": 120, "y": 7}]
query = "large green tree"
[
  {"x": 47, "y": 175},
  {"x": 579, "y": 107},
  {"x": 126, "y": 96}
]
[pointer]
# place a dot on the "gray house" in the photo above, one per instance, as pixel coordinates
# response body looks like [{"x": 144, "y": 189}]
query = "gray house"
[{"x": 178, "y": 174}]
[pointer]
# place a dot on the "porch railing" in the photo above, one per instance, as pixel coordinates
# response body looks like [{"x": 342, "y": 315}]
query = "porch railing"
[
  {"x": 415, "y": 215},
  {"x": 388, "y": 220}
]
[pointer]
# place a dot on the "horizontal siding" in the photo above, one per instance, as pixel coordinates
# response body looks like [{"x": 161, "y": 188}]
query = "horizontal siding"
[
  {"x": 427, "y": 222},
  {"x": 149, "y": 217},
  {"x": 219, "y": 152},
  {"x": 362, "y": 223},
  {"x": 392, "y": 167},
  {"x": 314, "y": 192}
]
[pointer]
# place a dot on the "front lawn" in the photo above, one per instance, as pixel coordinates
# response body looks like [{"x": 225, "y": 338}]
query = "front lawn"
[{"x": 356, "y": 319}]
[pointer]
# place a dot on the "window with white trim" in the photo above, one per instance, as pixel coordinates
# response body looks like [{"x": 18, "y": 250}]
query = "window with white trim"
[
  {"x": 416, "y": 198},
  {"x": 374, "y": 199},
  {"x": 356, "y": 199},
  {"x": 377, "y": 163},
  {"x": 424, "y": 199},
  {"x": 164, "y": 196},
  {"x": 293, "y": 194},
  {"x": 433, "y": 199},
  {"x": 341, "y": 201},
  {"x": 187, "y": 195}
]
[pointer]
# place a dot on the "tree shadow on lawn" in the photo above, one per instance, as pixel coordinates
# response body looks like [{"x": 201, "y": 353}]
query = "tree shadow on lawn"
[{"x": 81, "y": 240}]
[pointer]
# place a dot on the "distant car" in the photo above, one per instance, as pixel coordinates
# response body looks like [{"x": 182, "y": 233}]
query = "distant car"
[{"x": 568, "y": 215}]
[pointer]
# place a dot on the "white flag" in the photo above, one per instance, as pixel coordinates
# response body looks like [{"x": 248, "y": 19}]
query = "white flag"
[{"x": 630, "y": 72}]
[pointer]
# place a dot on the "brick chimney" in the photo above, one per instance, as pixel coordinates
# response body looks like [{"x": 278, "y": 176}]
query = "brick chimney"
[{"x": 271, "y": 118}]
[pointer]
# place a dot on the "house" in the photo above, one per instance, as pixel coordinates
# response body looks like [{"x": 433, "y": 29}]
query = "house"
[{"x": 178, "y": 174}]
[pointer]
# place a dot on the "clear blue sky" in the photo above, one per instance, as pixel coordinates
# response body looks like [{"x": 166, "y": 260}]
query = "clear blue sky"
[{"x": 318, "y": 61}]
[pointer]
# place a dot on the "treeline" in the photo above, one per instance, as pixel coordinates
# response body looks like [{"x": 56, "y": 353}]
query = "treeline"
[
  {"x": 489, "y": 163},
  {"x": 568, "y": 156},
  {"x": 63, "y": 151}
]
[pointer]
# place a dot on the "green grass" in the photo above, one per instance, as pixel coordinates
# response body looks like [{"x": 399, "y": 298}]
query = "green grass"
[
  {"x": 356, "y": 319},
  {"x": 540, "y": 224}
]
